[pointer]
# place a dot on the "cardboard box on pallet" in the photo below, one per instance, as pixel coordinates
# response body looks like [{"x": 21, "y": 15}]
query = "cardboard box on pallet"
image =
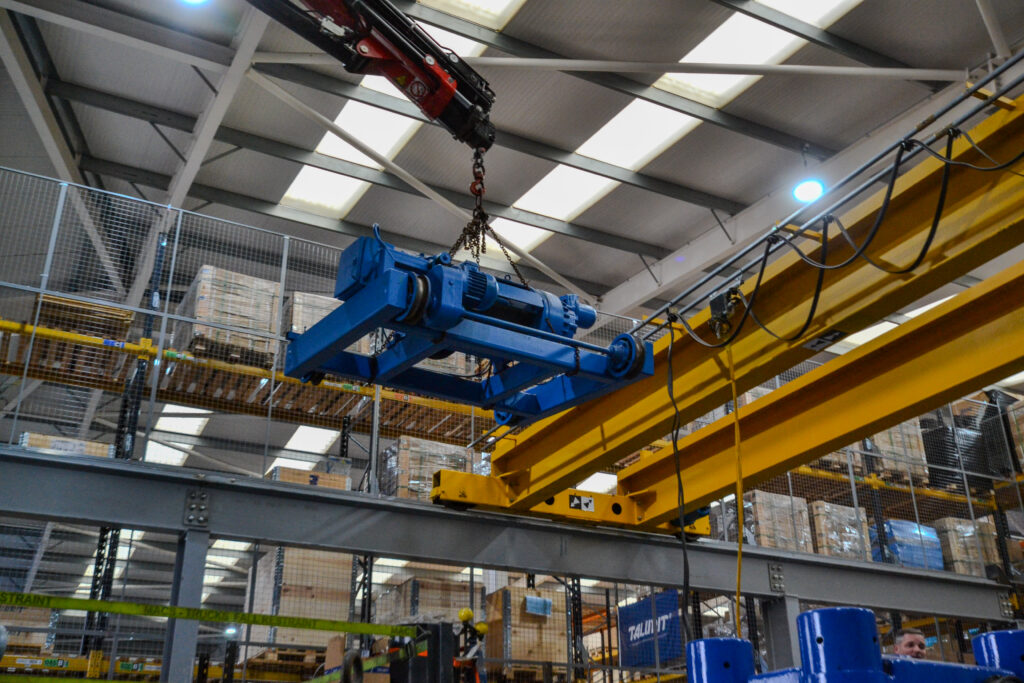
[
  {"x": 221, "y": 296},
  {"x": 901, "y": 453},
  {"x": 64, "y": 446},
  {"x": 771, "y": 520},
  {"x": 330, "y": 480},
  {"x": 27, "y": 617},
  {"x": 411, "y": 462},
  {"x": 431, "y": 599},
  {"x": 840, "y": 530},
  {"x": 908, "y": 544},
  {"x": 91, "y": 319},
  {"x": 967, "y": 547},
  {"x": 302, "y": 310},
  {"x": 297, "y": 582},
  {"x": 536, "y": 627}
]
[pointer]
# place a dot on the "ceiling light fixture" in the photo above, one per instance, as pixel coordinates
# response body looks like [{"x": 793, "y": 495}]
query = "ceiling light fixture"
[{"x": 809, "y": 191}]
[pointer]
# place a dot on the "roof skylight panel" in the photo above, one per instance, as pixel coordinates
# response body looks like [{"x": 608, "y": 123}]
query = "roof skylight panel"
[
  {"x": 745, "y": 40},
  {"x": 637, "y": 134},
  {"x": 164, "y": 455},
  {"x": 565, "y": 193},
  {"x": 739, "y": 40},
  {"x": 293, "y": 463},
  {"x": 820, "y": 13},
  {"x": 324, "y": 193},
  {"x": 312, "y": 439},
  {"x": 171, "y": 421},
  {"x": 490, "y": 13}
]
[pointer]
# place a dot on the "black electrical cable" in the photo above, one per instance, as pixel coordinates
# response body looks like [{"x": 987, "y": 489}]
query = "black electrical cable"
[
  {"x": 814, "y": 299},
  {"x": 872, "y": 233},
  {"x": 947, "y": 159},
  {"x": 940, "y": 205},
  {"x": 680, "y": 495},
  {"x": 746, "y": 308}
]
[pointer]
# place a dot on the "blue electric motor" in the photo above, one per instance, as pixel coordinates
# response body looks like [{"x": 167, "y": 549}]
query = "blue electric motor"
[
  {"x": 435, "y": 308},
  {"x": 840, "y": 645}
]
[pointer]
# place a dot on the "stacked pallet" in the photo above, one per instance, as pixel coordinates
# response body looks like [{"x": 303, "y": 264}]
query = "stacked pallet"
[
  {"x": 26, "y": 617},
  {"x": 840, "y": 461},
  {"x": 967, "y": 546},
  {"x": 94, "y": 320},
  {"x": 296, "y": 582},
  {"x": 224, "y": 297},
  {"x": 302, "y": 310},
  {"x": 840, "y": 531},
  {"x": 770, "y": 520},
  {"x": 899, "y": 453},
  {"x": 907, "y": 544},
  {"x": 410, "y": 465},
  {"x": 59, "y": 445},
  {"x": 416, "y": 598},
  {"x": 534, "y": 631}
]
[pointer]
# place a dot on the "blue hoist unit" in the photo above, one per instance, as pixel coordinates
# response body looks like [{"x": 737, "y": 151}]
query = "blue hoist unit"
[
  {"x": 434, "y": 307},
  {"x": 840, "y": 645}
]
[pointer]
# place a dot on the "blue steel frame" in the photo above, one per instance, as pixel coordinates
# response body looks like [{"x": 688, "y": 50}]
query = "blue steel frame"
[
  {"x": 840, "y": 645},
  {"x": 436, "y": 308}
]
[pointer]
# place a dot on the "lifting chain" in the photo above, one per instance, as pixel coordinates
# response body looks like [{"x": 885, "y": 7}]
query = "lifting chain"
[{"x": 473, "y": 236}]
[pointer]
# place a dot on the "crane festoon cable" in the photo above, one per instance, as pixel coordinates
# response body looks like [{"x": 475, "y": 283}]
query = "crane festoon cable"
[
  {"x": 730, "y": 262},
  {"x": 414, "y": 182}
]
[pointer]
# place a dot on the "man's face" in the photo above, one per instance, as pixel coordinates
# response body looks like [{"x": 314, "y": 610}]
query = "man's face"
[{"x": 911, "y": 645}]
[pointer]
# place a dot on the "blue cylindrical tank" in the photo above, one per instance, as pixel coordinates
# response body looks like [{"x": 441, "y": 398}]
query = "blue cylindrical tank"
[
  {"x": 1001, "y": 649},
  {"x": 839, "y": 640},
  {"x": 719, "y": 660}
]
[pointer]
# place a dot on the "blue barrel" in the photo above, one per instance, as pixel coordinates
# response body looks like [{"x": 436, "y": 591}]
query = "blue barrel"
[
  {"x": 719, "y": 660},
  {"x": 1001, "y": 649},
  {"x": 839, "y": 639}
]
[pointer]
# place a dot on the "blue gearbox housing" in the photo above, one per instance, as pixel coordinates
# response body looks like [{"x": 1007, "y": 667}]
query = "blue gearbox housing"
[
  {"x": 840, "y": 645},
  {"x": 434, "y": 307}
]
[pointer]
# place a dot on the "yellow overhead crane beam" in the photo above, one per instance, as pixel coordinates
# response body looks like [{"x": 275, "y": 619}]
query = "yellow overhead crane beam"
[{"x": 983, "y": 217}]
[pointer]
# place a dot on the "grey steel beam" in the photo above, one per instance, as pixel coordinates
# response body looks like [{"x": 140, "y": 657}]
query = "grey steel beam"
[
  {"x": 105, "y": 492},
  {"x": 519, "y": 48},
  {"x": 126, "y": 30},
  {"x": 281, "y": 150},
  {"x": 780, "y": 631},
  {"x": 259, "y": 206},
  {"x": 324, "y": 83},
  {"x": 811, "y": 33},
  {"x": 186, "y": 591}
]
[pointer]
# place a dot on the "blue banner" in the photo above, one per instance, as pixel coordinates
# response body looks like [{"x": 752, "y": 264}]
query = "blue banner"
[{"x": 637, "y": 630}]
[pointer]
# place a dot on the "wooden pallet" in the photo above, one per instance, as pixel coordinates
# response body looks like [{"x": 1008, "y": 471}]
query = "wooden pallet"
[
  {"x": 288, "y": 656},
  {"x": 204, "y": 347}
]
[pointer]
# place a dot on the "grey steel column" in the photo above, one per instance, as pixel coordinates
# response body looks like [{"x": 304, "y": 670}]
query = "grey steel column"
[
  {"x": 780, "y": 632},
  {"x": 186, "y": 591}
]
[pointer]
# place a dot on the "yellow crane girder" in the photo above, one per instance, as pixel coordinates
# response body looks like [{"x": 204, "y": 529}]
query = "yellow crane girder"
[
  {"x": 970, "y": 340},
  {"x": 983, "y": 218}
]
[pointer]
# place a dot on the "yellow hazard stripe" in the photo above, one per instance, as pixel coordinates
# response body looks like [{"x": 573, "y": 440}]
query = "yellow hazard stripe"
[{"x": 199, "y": 614}]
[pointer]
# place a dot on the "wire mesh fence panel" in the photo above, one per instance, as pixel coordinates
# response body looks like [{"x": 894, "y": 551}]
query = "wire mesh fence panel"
[
  {"x": 106, "y": 246},
  {"x": 31, "y": 207}
]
